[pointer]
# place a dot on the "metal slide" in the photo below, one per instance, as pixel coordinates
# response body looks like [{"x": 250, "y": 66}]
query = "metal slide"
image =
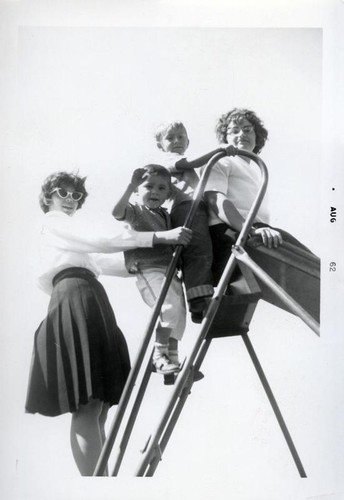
[{"x": 218, "y": 317}]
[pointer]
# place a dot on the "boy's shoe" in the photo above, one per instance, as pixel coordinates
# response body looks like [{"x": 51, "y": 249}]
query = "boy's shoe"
[
  {"x": 198, "y": 375},
  {"x": 170, "y": 379},
  {"x": 164, "y": 365},
  {"x": 197, "y": 317},
  {"x": 198, "y": 307}
]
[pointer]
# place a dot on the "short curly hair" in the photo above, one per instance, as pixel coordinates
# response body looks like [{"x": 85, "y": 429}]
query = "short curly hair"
[
  {"x": 235, "y": 115},
  {"x": 59, "y": 179}
]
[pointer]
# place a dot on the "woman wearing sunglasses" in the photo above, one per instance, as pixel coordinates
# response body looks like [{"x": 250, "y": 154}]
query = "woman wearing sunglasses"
[{"x": 80, "y": 360}]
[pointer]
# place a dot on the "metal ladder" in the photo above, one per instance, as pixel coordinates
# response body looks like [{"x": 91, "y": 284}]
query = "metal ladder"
[{"x": 158, "y": 440}]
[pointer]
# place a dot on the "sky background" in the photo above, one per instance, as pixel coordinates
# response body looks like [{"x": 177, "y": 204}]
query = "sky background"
[{"x": 84, "y": 89}]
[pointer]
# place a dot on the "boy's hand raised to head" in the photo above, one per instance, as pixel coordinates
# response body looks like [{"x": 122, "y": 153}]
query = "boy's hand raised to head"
[
  {"x": 138, "y": 177},
  {"x": 178, "y": 236}
]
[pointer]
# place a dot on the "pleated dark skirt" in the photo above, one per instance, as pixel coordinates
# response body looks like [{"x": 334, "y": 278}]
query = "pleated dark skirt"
[{"x": 79, "y": 352}]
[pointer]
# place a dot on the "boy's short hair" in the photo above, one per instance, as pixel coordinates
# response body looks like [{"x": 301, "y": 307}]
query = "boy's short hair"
[
  {"x": 57, "y": 180},
  {"x": 235, "y": 115},
  {"x": 163, "y": 129},
  {"x": 154, "y": 169}
]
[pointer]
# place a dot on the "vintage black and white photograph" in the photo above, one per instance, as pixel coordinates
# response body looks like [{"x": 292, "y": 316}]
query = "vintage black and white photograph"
[{"x": 172, "y": 245}]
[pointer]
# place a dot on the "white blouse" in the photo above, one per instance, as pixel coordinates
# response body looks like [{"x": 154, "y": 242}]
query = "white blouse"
[
  {"x": 64, "y": 242},
  {"x": 239, "y": 181}
]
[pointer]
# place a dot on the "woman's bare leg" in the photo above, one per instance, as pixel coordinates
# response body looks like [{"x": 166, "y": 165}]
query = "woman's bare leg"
[
  {"x": 86, "y": 437},
  {"x": 102, "y": 421}
]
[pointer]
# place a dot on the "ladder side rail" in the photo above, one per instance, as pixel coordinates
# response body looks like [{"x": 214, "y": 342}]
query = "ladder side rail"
[
  {"x": 179, "y": 407},
  {"x": 136, "y": 406},
  {"x": 134, "y": 372},
  {"x": 154, "y": 462},
  {"x": 274, "y": 405},
  {"x": 198, "y": 192},
  {"x": 178, "y": 387},
  {"x": 132, "y": 418},
  {"x": 123, "y": 403},
  {"x": 212, "y": 309},
  {"x": 174, "y": 418},
  {"x": 259, "y": 197},
  {"x": 202, "y": 353}
]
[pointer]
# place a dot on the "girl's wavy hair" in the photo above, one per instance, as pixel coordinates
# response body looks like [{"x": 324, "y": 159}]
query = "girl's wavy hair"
[
  {"x": 57, "y": 180},
  {"x": 235, "y": 115}
]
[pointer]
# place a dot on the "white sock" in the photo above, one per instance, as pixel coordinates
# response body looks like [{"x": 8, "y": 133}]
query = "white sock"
[
  {"x": 159, "y": 350},
  {"x": 173, "y": 355}
]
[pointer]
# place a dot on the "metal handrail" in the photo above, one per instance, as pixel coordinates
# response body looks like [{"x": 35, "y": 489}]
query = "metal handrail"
[
  {"x": 126, "y": 394},
  {"x": 153, "y": 450},
  {"x": 151, "y": 459},
  {"x": 212, "y": 309}
]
